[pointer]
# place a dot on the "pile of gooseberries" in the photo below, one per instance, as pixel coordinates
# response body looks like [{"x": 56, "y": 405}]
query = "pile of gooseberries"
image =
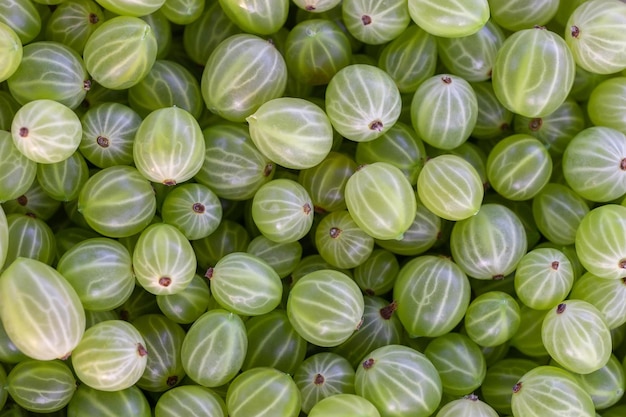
[{"x": 324, "y": 208}]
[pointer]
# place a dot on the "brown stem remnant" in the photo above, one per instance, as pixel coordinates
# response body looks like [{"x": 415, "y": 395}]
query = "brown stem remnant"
[
  {"x": 102, "y": 141},
  {"x": 535, "y": 124},
  {"x": 198, "y": 208},
  {"x": 141, "y": 350},
  {"x": 387, "y": 311},
  {"x": 209, "y": 273},
  {"x": 360, "y": 323},
  {"x": 376, "y": 125}
]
